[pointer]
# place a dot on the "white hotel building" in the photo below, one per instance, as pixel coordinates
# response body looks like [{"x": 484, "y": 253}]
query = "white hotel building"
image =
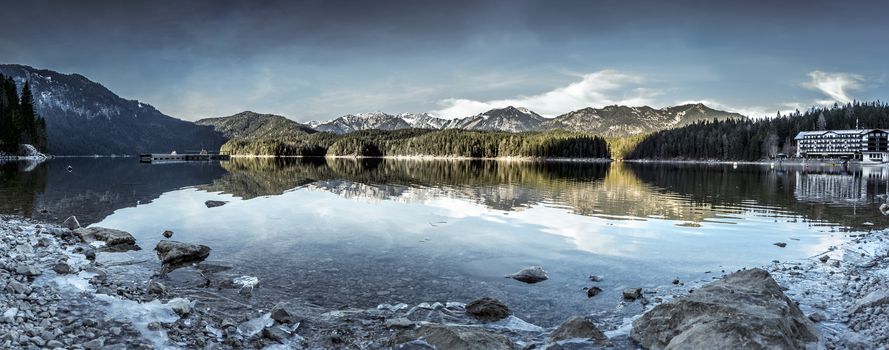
[{"x": 867, "y": 145}]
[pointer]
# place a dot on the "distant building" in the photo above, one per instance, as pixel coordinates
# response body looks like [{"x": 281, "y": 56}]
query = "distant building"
[{"x": 867, "y": 145}]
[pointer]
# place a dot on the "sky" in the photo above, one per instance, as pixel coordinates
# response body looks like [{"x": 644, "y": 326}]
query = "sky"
[{"x": 317, "y": 60}]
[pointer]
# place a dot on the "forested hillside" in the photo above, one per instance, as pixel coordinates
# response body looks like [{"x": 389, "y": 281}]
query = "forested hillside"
[
  {"x": 735, "y": 139},
  {"x": 19, "y": 123},
  {"x": 426, "y": 142}
]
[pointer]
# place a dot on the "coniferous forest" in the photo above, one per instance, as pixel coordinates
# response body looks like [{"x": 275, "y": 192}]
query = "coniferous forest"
[
  {"x": 19, "y": 123},
  {"x": 756, "y": 139},
  {"x": 426, "y": 142}
]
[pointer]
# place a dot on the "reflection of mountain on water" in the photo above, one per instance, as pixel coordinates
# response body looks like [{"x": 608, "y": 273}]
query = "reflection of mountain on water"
[
  {"x": 96, "y": 187},
  {"x": 20, "y": 184}
]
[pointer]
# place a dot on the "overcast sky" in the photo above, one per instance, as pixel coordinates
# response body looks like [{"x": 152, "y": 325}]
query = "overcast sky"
[{"x": 322, "y": 59}]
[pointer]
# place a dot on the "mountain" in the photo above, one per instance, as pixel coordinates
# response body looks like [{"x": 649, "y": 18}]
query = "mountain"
[
  {"x": 85, "y": 118},
  {"x": 249, "y": 124},
  {"x": 362, "y": 121},
  {"x": 510, "y": 119},
  {"x": 623, "y": 121},
  {"x": 423, "y": 121}
]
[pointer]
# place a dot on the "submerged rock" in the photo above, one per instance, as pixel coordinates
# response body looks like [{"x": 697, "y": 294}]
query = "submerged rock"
[
  {"x": 593, "y": 291},
  {"x": 111, "y": 237},
  {"x": 632, "y": 293},
  {"x": 214, "y": 204},
  {"x": 453, "y": 338},
  {"x": 744, "y": 310},
  {"x": 487, "y": 309},
  {"x": 531, "y": 274},
  {"x": 168, "y": 234},
  {"x": 579, "y": 327},
  {"x": 780, "y": 244},
  {"x": 174, "y": 252}
]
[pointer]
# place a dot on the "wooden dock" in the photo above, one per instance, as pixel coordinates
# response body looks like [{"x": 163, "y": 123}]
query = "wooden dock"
[{"x": 201, "y": 156}]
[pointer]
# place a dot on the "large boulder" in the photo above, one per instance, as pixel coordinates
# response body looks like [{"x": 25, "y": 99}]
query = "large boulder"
[
  {"x": 579, "y": 327},
  {"x": 174, "y": 252},
  {"x": 111, "y": 237},
  {"x": 487, "y": 309},
  {"x": 453, "y": 338},
  {"x": 744, "y": 310}
]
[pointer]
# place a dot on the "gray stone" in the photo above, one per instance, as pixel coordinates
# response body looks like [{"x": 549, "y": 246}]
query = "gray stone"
[
  {"x": 94, "y": 344},
  {"x": 174, "y": 252},
  {"x": 487, "y": 309},
  {"x": 214, "y": 204},
  {"x": 579, "y": 327},
  {"x": 399, "y": 322},
  {"x": 62, "y": 268},
  {"x": 632, "y": 293},
  {"x": 744, "y": 310},
  {"x": 593, "y": 291},
  {"x": 55, "y": 344},
  {"x": 71, "y": 223},
  {"x": 28, "y": 270},
  {"x": 111, "y": 237},
  {"x": 453, "y": 338},
  {"x": 280, "y": 314},
  {"x": 876, "y": 298},
  {"x": 275, "y": 333},
  {"x": 155, "y": 287},
  {"x": 9, "y": 315},
  {"x": 180, "y": 306},
  {"x": 531, "y": 274},
  {"x": 168, "y": 234}
]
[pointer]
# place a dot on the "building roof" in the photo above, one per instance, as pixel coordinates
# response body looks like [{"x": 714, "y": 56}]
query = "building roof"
[{"x": 839, "y": 132}]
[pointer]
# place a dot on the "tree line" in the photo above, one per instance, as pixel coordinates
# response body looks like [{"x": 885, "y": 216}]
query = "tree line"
[
  {"x": 428, "y": 142},
  {"x": 19, "y": 123},
  {"x": 756, "y": 139}
]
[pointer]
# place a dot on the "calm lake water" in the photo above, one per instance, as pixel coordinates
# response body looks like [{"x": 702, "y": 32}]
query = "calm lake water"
[{"x": 343, "y": 233}]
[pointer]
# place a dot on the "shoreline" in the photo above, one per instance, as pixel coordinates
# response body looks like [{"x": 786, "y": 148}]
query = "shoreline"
[{"x": 850, "y": 311}]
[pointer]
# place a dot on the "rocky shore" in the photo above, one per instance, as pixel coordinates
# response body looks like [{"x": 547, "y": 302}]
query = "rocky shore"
[{"x": 58, "y": 295}]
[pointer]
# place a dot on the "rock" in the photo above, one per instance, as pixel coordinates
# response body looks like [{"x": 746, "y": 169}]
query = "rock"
[
  {"x": 780, "y": 244},
  {"x": 818, "y": 317},
  {"x": 62, "y": 268},
  {"x": 744, "y": 310},
  {"x": 876, "y": 298},
  {"x": 593, "y": 291},
  {"x": 596, "y": 278},
  {"x": 168, "y": 234},
  {"x": 884, "y": 209},
  {"x": 28, "y": 270},
  {"x": 90, "y": 254},
  {"x": 824, "y": 258},
  {"x": 280, "y": 314},
  {"x": 9, "y": 315},
  {"x": 174, "y": 252},
  {"x": 71, "y": 223},
  {"x": 111, "y": 237},
  {"x": 632, "y": 293},
  {"x": 532, "y": 274},
  {"x": 214, "y": 204},
  {"x": 487, "y": 309},
  {"x": 180, "y": 306},
  {"x": 94, "y": 344},
  {"x": 155, "y": 287},
  {"x": 275, "y": 333},
  {"x": 675, "y": 281},
  {"x": 453, "y": 338},
  {"x": 399, "y": 322},
  {"x": 579, "y": 327}
]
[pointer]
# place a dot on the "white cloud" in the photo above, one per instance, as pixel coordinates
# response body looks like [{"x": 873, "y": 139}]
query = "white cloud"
[
  {"x": 835, "y": 85},
  {"x": 605, "y": 87}
]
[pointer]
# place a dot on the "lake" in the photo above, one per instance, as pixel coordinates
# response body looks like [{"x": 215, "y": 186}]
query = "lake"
[{"x": 340, "y": 233}]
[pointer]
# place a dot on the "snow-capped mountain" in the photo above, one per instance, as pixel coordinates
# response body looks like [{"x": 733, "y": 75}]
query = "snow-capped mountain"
[
  {"x": 85, "y": 118},
  {"x": 510, "y": 119},
  {"x": 362, "y": 121},
  {"x": 423, "y": 120},
  {"x": 624, "y": 120}
]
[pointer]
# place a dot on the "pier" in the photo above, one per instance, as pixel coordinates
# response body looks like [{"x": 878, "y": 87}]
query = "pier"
[{"x": 188, "y": 156}]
